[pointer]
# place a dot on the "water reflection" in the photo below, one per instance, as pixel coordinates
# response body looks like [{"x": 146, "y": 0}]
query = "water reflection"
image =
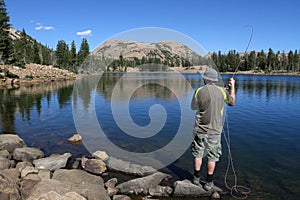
[{"x": 27, "y": 98}]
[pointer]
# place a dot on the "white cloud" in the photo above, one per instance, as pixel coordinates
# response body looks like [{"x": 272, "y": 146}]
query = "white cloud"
[
  {"x": 85, "y": 33},
  {"x": 46, "y": 28},
  {"x": 38, "y": 28}
]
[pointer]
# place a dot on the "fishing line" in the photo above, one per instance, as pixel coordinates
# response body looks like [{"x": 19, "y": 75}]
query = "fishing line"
[{"x": 236, "y": 191}]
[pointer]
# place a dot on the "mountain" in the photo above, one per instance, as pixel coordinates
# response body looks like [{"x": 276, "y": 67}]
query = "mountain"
[
  {"x": 133, "y": 49},
  {"x": 119, "y": 55}
]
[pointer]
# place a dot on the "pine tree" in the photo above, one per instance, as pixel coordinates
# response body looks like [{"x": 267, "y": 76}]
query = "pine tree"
[
  {"x": 73, "y": 57},
  {"x": 62, "y": 55},
  {"x": 83, "y": 51},
  {"x": 5, "y": 41}
]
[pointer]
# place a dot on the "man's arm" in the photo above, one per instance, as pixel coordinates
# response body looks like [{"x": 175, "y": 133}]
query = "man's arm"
[{"x": 231, "y": 85}]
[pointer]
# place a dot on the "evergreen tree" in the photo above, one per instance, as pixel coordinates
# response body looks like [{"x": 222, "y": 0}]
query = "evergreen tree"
[
  {"x": 62, "y": 55},
  {"x": 36, "y": 54},
  {"x": 73, "y": 57},
  {"x": 83, "y": 51},
  {"x": 271, "y": 60},
  {"x": 290, "y": 61},
  {"x": 261, "y": 60},
  {"x": 251, "y": 64},
  {"x": 5, "y": 41},
  {"x": 296, "y": 60}
]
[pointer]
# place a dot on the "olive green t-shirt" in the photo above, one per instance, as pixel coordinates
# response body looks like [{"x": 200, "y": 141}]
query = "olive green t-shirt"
[{"x": 209, "y": 102}]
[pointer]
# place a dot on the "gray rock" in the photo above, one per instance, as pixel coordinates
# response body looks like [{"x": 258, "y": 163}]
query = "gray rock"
[
  {"x": 26, "y": 186},
  {"x": 160, "y": 191},
  {"x": 44, "y": 174},
  {"x": 5, "y": 154},
  {"x": 45, "y": 186},
  {"x": 128, "y": 167},
  {"x": 95, "y": 166},
  {"x": 111, "y": 183},
  {"x": 28, "y": 170},
  {"x": 10, "y": 141},
  {"x": 34, "y": 177},
  {"x": 8, "y": 188},
  {"x": 102, "y": 155},
  {"x": 75, "y": 139},
  {"x": 53, "y": 162},
  {"x": 21, "y": 165},
  {"x": 186, "y": 188},
  {"x": 112, "y": 191},
  {"x": 142, "y": 185},
  {"x": 4, "y": 163},
  {"x": 12, "y": 173},
  {"x": 73, "y": 196},
  {"x": 121, "y": 197},
  {"x": 88, "y": 185},
  {"x": 27, "y": 154}
]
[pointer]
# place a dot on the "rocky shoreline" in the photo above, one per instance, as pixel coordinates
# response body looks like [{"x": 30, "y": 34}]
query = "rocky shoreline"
[
  {"x": 25, "y": 174},
  {"x": 33, "y": 74}
]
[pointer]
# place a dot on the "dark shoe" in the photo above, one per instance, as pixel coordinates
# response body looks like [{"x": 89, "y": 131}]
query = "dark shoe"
[
  {"x": 208, "y": 186},
  {"x": 196, "y": 180}
]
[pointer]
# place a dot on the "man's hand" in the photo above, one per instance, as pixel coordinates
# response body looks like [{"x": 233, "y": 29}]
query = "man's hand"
[{"x": 231, "y": 83}]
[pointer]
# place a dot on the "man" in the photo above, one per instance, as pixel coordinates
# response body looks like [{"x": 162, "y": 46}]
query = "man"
[{"x": 209, "y": 103}]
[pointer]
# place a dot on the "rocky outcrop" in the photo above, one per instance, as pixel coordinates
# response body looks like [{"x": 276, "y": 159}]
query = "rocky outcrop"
[
  {"x": 26, "y": 174},
  {"x": 34, "y": 73}
]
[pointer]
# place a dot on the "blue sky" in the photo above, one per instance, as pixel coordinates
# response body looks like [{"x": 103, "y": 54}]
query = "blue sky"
[{"x": 214, "y": 24}]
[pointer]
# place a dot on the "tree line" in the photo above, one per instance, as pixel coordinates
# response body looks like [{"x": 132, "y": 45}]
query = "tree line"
[
  {"x": 259, "y": 61},
  {"x": 23, "y": 49}
]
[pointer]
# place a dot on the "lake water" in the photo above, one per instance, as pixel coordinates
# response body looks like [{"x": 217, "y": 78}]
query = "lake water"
[{"x": 263, "y": 125}]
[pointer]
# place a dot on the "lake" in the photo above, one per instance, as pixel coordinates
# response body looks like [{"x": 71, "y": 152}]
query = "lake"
[{"x": 146, "y": 117}]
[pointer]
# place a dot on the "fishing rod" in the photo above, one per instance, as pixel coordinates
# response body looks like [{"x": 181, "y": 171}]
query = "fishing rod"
[{"x": 240, "y": 61}]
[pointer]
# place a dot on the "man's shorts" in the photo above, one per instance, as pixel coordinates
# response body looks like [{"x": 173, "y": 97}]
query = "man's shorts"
[{"x": 207, "y": 144}]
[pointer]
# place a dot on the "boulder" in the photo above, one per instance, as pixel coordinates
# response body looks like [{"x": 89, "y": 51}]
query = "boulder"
[
  {"x": 45, "y": 186},
  {"x": 128, "y": 167},
  {"x": 26, "y": 186},
  {"x": 28, "y": 170},
  {"x": 8, "y": 188},
  {"x": 95, "y": 166},
  {"x": 53, "y": 162},
  {"x": 88, "y": 185},
  {"x": 141, "y": 185},
  {"x": 10, "y": 141},
  {"x": 27, "y": 154},
  {"x": 111, "y": 183},
  {"x": 12, "y": 173},
  {"x": 102, "y": 155},
  {"x": 4, "y": 163},
  {"x": 186, "y": 188},
  {"x": 21, "y": 165},
  {"x": 121, "y": 197},
  {"x": 5, "y": 154},
  {"x": 160, "y": 191},
  {"x": 75, "y": 139}
]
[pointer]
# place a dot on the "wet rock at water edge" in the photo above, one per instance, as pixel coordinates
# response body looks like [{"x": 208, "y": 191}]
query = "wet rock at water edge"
[
  {"x": 142, "y": 185},
  {"x": 102, "y": 155},
  {"x": 95, "y": 166},
  {"x": 27, "y": 154},
  {"x": 53, "y": 162},
  {"x": 116, "y": 164},
  {"x": 76, "y": 139},
  {"x": 10, "y": 141}
]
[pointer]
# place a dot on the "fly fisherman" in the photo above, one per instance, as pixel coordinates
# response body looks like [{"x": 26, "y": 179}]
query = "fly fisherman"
[{"x": 209, "y": 103}]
